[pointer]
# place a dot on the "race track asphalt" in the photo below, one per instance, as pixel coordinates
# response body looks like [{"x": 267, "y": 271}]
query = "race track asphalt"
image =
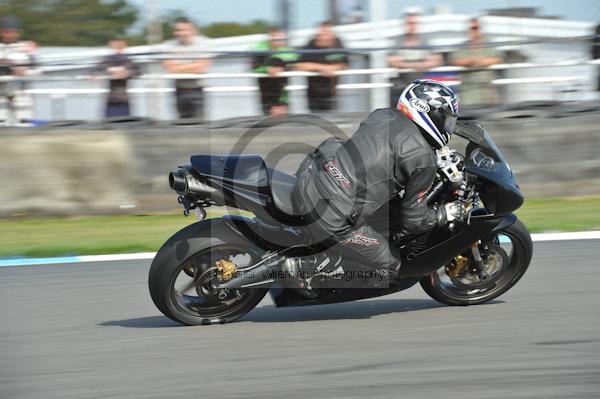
[{"x": 91, "y": 331}]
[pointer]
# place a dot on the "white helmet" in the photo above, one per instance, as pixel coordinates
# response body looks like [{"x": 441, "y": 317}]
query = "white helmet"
[{"x": 433, "y": 107}]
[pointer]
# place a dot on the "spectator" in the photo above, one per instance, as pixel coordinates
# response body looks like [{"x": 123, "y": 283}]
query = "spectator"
[
  {"x": 411, "y": 53},
  {"x": 273, "y": 94},
  {"x": 322, "y": 89},
  {"x": 119, "y": 68},
  {"x": 596, "y": 50},
  {"x": 476, "y": 87},
  {"x": 16, "y": 60},
  {"x": 188, "y": 45}
]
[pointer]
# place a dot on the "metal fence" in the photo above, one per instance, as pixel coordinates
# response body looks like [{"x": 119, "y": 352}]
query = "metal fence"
[{"x": 556, "y": 68}]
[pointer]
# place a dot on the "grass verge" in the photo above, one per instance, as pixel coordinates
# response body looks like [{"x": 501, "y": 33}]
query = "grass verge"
[{"x": 124, "y": 234}]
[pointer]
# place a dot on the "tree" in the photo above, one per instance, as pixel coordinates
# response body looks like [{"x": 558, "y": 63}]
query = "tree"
[
  {"x": 218, "y": 29},
  {"x": 72, "y": 22},
  {"x": 225, "y": 29}
]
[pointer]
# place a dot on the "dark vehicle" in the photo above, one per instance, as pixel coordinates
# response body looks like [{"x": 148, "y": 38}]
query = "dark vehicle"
[{"x": 217, "y": 270}]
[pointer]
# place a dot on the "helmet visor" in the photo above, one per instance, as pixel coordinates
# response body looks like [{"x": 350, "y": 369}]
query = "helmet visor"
[{"x": 450, "y": 124}]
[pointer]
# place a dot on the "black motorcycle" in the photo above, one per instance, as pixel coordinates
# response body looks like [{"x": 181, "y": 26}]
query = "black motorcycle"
[{"x": 217, "y": 270}]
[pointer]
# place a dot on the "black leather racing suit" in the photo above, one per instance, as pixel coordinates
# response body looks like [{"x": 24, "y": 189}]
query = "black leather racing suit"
[{"x": 342, "y": 183}]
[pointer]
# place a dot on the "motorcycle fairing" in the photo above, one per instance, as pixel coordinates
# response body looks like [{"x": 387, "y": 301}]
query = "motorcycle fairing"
[
  {"x": 499, "y": 192},
  {"x": 248, "y": 184}
]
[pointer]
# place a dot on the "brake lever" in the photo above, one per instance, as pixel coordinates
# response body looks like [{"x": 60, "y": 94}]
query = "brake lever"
[{"x": 469, "y": 214}]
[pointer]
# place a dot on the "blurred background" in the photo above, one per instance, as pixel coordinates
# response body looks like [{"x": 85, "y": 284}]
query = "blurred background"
[
  {"x": 536, "y": 51},
  {"x": 99, "y": 99}
]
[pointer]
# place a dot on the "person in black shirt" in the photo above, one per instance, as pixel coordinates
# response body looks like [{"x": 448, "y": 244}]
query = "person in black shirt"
[
  {"x": 119, "y": 68},
  {"x": 277, "y": 58},
  {"x": 322, "y": 89}
]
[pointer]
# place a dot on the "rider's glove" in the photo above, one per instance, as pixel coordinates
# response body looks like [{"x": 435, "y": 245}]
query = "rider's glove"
[{"x": 453, "y": 211}]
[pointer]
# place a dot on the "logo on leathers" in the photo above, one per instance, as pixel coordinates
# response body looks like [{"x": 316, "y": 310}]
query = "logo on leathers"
[
  {"x": 332, "y": 169},
  {"x": 359, "y": 239}
]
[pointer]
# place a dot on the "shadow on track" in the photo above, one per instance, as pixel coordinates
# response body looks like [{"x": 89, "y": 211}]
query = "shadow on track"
[
  {"x": 339, "y": 311},
  {"x": 143, "y": 322},
  {"x": 272, "y": 314}
]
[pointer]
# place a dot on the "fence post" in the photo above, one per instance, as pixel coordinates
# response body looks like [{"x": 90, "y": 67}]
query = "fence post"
[
  {"x": 57, "y": 106},
  {"x": 380, "y": 96}
]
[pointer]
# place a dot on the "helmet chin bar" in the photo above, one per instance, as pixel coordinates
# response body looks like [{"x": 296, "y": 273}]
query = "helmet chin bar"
[
  {"x": 435, "y": 144},
  {"x": 448, "y": 162}
]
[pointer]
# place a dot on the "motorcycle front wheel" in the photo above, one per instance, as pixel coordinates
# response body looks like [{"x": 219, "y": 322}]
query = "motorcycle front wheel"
[{"x": 505, "y": 258}]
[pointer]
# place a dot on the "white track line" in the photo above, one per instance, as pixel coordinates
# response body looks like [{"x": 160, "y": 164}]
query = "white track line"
[
  {"x": 580, "y": 235},
  {"x": 546, "y": 237},
  {"x": 112, "y": 258}
]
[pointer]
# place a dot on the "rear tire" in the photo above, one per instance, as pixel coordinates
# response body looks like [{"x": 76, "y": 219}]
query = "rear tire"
[
  {"x": 189, "y": 255},
  {"x": 444, "y": 289}
]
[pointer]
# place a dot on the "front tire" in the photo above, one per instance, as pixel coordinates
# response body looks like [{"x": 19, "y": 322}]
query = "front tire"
[
  {"x": 512, "y": 248},
  {"x": 179, "y": 278}
]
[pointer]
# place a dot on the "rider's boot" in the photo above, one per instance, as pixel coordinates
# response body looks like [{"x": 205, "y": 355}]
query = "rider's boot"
[{"x": 334, "y": 271}]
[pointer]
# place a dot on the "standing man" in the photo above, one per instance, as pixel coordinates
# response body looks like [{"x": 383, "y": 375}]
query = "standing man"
[
  {"x": 273, "y": 93},
  {"x": 596, "y": 51},
  {"x": 119, "y": 68},
  {"x": 410, "y": 54},
  {"x": 477, "y": 87},
  {"x": 189, "y": 47},
  {"x": 322, "y": 89},
  {"x": 16, "y": 59}
]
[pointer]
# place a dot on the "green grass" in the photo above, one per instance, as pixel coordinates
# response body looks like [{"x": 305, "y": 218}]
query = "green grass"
[
  {"x": 561, "y": 214},
  {"x": 86, "y": 235},
  {"x": 89, "y": 235},
  {"x": 122, "y": 234}
]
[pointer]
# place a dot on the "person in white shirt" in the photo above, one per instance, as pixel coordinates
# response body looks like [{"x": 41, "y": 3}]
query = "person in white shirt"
[
  {"x": 189, "y": 48},
  {"x": 16, "y": 59},
  {"x": 411, "y": 53}
]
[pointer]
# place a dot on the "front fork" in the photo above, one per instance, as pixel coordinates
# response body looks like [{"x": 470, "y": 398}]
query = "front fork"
[{"x": 478, "y": 266}]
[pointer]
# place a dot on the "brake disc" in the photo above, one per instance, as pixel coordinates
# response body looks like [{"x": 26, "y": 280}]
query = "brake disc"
[{"x": 461, "y": 273}]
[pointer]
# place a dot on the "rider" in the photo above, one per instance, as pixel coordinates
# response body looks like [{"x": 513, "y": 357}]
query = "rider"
[{"x": 391, "y": 155}]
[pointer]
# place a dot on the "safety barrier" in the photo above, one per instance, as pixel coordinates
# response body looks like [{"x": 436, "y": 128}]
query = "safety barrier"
[
  {"x": 59, "y": 99},
  {"x": 362, "y": 87},
  {"x": 121, "y": 165}
]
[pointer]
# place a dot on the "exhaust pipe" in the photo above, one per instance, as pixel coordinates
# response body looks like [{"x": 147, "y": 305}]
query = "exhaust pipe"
[
  {"x": 185, "y": 183},
  {"x": 177, "y": 181}
]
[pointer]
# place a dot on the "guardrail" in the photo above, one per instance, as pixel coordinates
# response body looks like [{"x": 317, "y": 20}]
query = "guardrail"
[
  {"x": 91, "y": 168},
  {"x": 349, "y": 72},
  {"x": 374, "y": 78},
  {"x": 346, "y": 72}
]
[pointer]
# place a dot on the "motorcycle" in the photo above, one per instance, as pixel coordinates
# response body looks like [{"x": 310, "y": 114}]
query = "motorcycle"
[{"x": 218, "y": 269}]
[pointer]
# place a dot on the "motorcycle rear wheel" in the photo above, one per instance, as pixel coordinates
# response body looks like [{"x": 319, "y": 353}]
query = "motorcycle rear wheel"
[
  {"x": 179, "y": 278},
  {"x": 516, "y": 243}
]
